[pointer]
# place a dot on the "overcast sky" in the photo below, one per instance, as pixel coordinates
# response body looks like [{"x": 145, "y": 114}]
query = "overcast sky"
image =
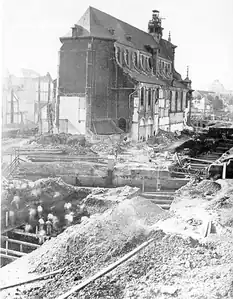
[{"x": 202, "y": 30}]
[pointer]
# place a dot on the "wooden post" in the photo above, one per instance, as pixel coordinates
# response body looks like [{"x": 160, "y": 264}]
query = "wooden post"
[
  {"x": 6, "y": 247},
  {"x": 143, "y": 184},
  {"x": 7, "y": 218},
  {"x": 224, "y": 170},
  {"x": 21, "y": 248}
]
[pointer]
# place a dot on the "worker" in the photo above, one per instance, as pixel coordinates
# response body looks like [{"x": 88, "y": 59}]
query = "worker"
[
  {"x": 55, "y": 222},
  {"x": 48, "y": 227},
  {"x": 50, "y": 217},
  {"x": 28, "y": 228},
  {"x": 15, "y": 202},
  {"x": 69, "y": 218},
  {"x": 32, "y": 214},
  {"x": 41, "y": 236},
  {"x": 67, "y": 207},
  {"x": 39, "y": 211},
  {"x": 41, "y": 224}
]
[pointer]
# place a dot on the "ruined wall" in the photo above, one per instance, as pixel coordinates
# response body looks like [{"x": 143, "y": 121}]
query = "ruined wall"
[{"x": 72, "y": 66}]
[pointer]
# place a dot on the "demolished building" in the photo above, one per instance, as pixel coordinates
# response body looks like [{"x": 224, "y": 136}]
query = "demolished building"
[{"x": 118, "y": 78}]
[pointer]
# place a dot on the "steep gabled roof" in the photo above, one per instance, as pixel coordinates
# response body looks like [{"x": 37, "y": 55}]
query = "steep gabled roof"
[{"x": 96, "y": 23}]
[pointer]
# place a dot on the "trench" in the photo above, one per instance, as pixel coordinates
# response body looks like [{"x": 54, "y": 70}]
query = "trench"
[{"x": 197, "y": 155}]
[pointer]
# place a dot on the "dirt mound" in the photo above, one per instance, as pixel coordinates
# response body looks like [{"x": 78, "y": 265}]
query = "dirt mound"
[
  {"x": 95, "y": 243},
  {"x": 102, "y": 199}
]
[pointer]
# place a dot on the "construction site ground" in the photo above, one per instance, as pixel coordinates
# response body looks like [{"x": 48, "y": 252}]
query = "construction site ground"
[{"x": 191, "y": 254}]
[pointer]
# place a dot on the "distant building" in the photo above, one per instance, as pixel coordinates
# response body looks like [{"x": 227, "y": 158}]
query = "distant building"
[
  {"x": 116, "y": 78},
  {"x": 201, "y": 103},
  {"x": 21, "y": 95}
]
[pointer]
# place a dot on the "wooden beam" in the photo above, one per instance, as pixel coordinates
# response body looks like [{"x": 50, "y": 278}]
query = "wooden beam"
[
  {"x": 23, "y": 233},
  {"x": 31, "y": 280},
  {"x": 105, "y": 270},
  {"x": 19, "y": 242},
  {"x": 6, "y": 251}
]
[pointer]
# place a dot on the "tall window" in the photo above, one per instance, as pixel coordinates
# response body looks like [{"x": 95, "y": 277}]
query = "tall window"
[
  {"x": 135, "y": 58},
  {"x": 142, "y": 96},
  {"x": 126, "y": 57},
  {"x": 119, "y": 54},
  {"x": 149, "y": 97},
  {"x": 157, "y": 93},
  {"x": 172, "y": 106},
  {"x": 186, "y": 100},
  {"x": 181, "y": 100},
  {"x": 176, "y": 101}
]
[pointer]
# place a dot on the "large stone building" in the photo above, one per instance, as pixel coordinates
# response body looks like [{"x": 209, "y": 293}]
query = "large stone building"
[{"x": 114, "y": 77}]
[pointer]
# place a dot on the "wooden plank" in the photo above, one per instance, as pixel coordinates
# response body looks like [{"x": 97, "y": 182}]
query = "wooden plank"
[
  {"x": 20, "y": 232},
  {"x": 200, "y": 160},
  {"x": 105, "y": 270},
  {"x": 19, "y": 242},
  {"x": 10, "y": 257},
  {"x": 4, "y": 250},
  {"x": 31, "y": 280}
]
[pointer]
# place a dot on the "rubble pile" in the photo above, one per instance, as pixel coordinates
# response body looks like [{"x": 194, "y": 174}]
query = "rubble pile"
[
  {"x": 61, "y": 138},
  {"x": 84, "y": 249}
]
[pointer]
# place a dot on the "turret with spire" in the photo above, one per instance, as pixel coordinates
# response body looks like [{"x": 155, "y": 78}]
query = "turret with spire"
[
  {"x": 187, "y": 81},
  {"x": 169, "y": 37},
  {"x": 154, "y": 26}
]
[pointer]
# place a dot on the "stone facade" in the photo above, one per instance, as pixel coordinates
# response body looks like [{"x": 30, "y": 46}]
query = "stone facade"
[{"x": 125, "y": 76}]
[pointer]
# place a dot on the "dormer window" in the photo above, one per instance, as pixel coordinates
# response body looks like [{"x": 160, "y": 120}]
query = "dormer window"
[
  {"x": 128, "y": 37},
  {"x": 111, "y": 30},
  {"x": 126, "y": 56}
]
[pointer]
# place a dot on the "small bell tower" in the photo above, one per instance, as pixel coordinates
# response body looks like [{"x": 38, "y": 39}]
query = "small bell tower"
[{"x": 155, "y": 26}]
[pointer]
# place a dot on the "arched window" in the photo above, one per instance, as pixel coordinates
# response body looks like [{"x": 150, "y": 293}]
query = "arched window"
[
  {"x": 176, "y": 101},
  {"x": 142, "y": 96}
]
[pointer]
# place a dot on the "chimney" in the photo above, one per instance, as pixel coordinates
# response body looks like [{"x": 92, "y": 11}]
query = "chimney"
[{"x": 76, "y": 31}]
